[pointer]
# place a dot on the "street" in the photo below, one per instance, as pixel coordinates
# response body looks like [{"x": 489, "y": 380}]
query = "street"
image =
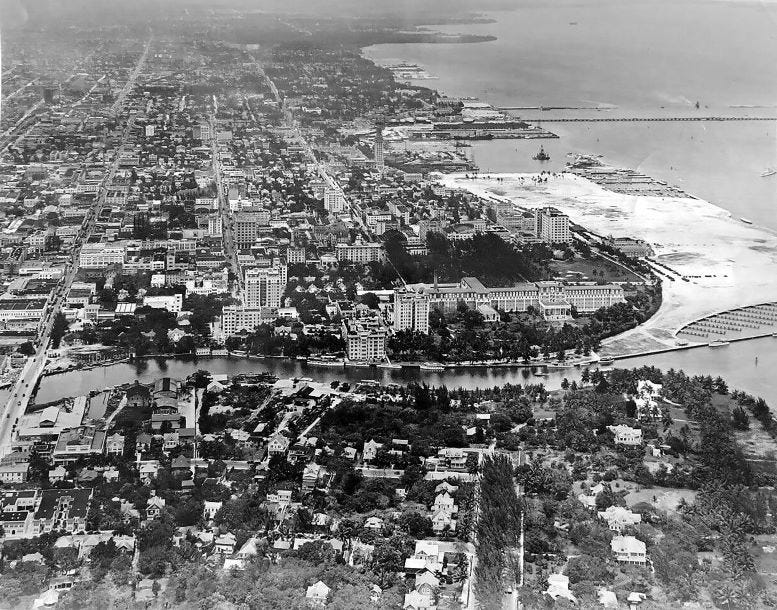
[{"x": 24, "y": 387}]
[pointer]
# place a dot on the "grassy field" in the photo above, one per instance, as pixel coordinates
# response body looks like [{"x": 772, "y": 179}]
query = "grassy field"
[{"x": 595, "y": 268}]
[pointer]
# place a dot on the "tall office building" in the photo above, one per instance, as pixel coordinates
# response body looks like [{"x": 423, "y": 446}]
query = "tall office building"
[
  {"x": 411, "y": 311},
  {"x": 264, "y": 287},
  {"x": 552, "y": 226},
  {"x": 379, "y": 146},
  {"x": 334, "y": 200}
]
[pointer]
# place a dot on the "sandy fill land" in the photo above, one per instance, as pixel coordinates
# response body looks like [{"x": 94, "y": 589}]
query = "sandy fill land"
[{"x": 728, "y": 263}]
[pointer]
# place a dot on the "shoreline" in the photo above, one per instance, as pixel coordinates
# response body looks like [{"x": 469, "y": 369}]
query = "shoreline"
[
  {"x": 720, "y": 264},
  {"x": 542, "y": 366}
]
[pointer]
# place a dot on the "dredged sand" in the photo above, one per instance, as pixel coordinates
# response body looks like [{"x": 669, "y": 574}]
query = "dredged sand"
[{"x": 728, "y": 263}]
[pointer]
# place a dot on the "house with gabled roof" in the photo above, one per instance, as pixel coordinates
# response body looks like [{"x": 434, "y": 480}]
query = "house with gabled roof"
[{"x": 318, "y": 593}]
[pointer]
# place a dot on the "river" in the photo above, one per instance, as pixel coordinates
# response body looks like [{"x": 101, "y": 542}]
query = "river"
[{"x": 736, "y": 363}]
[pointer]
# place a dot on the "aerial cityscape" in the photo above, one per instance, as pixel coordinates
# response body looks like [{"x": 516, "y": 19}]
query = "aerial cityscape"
[{"x": 448, "y": 304}]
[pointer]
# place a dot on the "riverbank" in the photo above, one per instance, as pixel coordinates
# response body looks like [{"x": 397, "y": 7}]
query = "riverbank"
[{"x": 747, "y": 365}]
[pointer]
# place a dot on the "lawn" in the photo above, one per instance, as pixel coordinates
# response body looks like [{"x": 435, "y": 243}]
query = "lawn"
[
  {"x": 666, "y": 498},
  {"x": 595, "y": 268}
]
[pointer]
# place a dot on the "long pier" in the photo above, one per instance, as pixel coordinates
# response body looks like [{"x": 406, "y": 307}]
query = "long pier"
[{"x": 667, "y": 119}]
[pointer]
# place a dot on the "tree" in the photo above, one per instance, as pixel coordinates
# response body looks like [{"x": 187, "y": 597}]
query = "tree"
[
  {"x": 415, "y": 524},
  {"x": 58, "y": 329},
  {"x": 26, "y": 348}
]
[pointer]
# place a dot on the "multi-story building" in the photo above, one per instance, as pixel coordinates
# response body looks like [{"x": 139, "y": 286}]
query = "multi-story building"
[
  {"x": 76, "y": 443},
  {"x": 552, "y": 226},
  {"x": 554, "y": 298},
  {"x": 365, "y": 340},
  {"x": 334, "y": 200},
  {"x": 247, "y": 223},
  {"x": 411, "y": 311},
  {"x": 31, "y": 512},
  {"x": 264, "y": 287},
  {"x": 215, "y": 225},
  {"x": 172, "y": 303},
  {"x": 295, "y": 254},
  {"x": 379, "y": 147},
  {"x": 100, "y": 255},
  {"x": 360, "y": 252},
  {"x": 236, "y": 319}
]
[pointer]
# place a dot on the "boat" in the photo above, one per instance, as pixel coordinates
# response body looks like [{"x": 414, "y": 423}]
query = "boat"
[
  {"x": 389, "y": 365},
  {"x": 432, "y": 366},
  {"x": 746, "y": 221},
  {"x": 769, "y": 171},
  {"x": 541, "y": 374},
  {"x": 542, "y": 155},
  {"x": 325, "y": 362},
  {"x": 719, "y": 343}
]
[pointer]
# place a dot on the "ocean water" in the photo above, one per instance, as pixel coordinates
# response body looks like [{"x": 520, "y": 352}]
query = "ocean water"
[
  {"x": 629, "y": 58},
  {"x": 635, "y": 58}
]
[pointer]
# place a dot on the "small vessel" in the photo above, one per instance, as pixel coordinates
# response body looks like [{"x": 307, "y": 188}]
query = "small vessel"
[
  {"x": 719, "y": 343},
  {"x": 389, "y": 365},
  {"x": 747, "y": 221},
  {"x": 542, "y": 155},
  {"x": 325, "y": 362},
  {"x": 432, "y": 366},
  {"x": 541, "y": 374},
  {"x": 769, "y": 171}
]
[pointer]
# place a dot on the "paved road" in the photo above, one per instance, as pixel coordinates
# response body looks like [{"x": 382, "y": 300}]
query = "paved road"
[
  {"x": 33, "y": 369},
  {"x": 227, "y": 226}
]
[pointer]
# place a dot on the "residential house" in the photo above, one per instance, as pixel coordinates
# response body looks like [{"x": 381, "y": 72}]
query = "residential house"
[
  {"x": 618, "y": 518},
  {"x": 147, "y": 470},
  {"x": 317, "y": 594},
  {"x": 415, "y": 600},
  {"x": 210, "y": 509},
  {"x": 57, "y": 474},
  {"x": 628, "y": 549},
  {"x": 277, "y": 445},
  {"x": 626, "y": 435},
  {"x": 225, "y": 544},
  {"x": 115, "y": 444},
  {"x": 427, "y": 583},
  {"x": 154, "y": 507},
  {"x": 370, "y": 450}
]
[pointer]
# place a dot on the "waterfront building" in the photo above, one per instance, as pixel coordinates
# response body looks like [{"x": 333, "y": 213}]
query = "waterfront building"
[
  {"x": 411, "y": 311},
  {"x": 237, "y": 318},
  {"x": 365, "y": 340},
  {"x": 552, "y": 226},
  {"x": 629, "y": 246},
  {"x": 556, "y": 299}
]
